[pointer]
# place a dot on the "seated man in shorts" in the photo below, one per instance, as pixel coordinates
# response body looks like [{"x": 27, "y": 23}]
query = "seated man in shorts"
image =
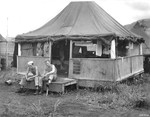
[
  {"x": 32, "y": 74},
  {"x": 50, "y": 73}
]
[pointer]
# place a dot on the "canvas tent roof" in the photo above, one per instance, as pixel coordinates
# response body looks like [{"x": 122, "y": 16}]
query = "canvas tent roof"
[
  {"x": 2, "y": 39},
  {"x": 78, "y": 19}
]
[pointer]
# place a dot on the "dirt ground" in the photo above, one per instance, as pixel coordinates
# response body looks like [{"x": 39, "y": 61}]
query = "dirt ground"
[{"x": 75, "y": 103}]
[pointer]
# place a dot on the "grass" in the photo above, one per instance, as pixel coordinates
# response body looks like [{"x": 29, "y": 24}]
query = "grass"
[{"x": 118, "y": 97}]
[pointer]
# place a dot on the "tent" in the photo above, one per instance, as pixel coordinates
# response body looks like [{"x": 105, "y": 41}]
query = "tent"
[
  {"x": 78, "y": 19},
  {"x": 85, "y": 43}
]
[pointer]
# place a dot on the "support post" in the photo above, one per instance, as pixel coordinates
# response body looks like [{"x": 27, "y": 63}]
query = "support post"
[
  {"x": 19, "y": 54},
  {"x": 19, "y": 49},
  {"x": 70, "y": 49},
  {"x": 113, "y": 50},
  {"x": 50, "y": 50},
  {"x": 141, "y": 50}
]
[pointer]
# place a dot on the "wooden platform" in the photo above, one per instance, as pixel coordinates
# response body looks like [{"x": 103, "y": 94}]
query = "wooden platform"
[
  {"x": 56, "y": 86},
  {"x": 60, "y": 84}
]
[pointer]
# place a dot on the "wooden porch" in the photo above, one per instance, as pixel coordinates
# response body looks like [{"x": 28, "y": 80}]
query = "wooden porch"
[{"x": 90, "y": 71}]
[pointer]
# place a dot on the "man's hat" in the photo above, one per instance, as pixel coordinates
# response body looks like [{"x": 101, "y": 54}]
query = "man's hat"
[{"x": 30, "y": 63}]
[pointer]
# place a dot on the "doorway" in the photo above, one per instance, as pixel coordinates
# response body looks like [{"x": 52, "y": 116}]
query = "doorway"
[{"x": 60, "y": 57}]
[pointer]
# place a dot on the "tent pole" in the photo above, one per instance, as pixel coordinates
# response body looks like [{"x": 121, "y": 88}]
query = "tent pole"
[
  {"x": 70, "y": 49},
  {"x": 50, "y": 51}
]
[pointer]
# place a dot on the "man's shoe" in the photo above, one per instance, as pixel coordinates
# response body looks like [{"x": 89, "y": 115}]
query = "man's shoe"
[
  {"x": 40, "y": 90},
  {"x": 21, "y": 90},
  {"x": 36, "y": 92}
]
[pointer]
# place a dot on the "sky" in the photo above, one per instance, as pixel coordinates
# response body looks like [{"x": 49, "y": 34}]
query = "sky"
[{"x": 22, "y": 16}]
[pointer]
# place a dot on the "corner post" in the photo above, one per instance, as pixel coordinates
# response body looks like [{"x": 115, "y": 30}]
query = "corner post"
[
  {"x": 19, "y": 49},
  {"x": 70, "y": 49},
  {"x": 141, "y": 50},
  {"x": 113, "y": 49}
]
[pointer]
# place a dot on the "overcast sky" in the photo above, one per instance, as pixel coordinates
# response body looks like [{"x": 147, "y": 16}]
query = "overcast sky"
[{"x": 27, "y": 15}]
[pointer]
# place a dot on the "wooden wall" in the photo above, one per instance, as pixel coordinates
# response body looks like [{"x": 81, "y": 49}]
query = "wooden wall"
[
  {"x": 23, "y": 60},
  {"x": 128, "y": 66},
  {"x": 3, "y": 48},
  {"x": 137, "y": 63},
  {"x": 134, "y": 51},
  {"x": 92, "y": 69}
]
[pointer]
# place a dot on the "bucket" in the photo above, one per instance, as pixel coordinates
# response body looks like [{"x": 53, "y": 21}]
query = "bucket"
[{"x": 3, "y": 63}]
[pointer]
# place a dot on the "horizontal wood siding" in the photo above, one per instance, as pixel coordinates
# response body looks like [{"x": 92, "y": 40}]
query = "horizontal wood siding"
[
  {"x": 92, "y": 69},
  {"x": 38, "y": 61}
]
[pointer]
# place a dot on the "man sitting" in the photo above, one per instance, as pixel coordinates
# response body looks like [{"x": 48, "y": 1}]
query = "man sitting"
[
  {"x": 50, "y": 73},
  {"x": 31, "y": 75}
]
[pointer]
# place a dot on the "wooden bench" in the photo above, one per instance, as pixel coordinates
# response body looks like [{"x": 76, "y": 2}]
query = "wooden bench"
[{"x": 56, "y": 86}]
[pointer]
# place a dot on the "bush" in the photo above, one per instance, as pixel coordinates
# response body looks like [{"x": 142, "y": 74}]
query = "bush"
[{"x": 132, "y": 94}]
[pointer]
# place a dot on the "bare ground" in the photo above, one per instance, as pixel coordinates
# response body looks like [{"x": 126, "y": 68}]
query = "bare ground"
[{"x": 126, "y": 102}]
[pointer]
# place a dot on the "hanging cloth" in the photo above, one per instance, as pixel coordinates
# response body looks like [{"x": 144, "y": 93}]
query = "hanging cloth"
[
  {"x": 99, "y": 48},
  {"x": 46, "y": 49},
  {"x": 39, "y": 50}
]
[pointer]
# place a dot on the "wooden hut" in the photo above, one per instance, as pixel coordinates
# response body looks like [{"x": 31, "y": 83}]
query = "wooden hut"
[
  {"x": 85, "y": 43},
  {"x": 3, "y": 50},
  {"x": 3, "y": 46}
]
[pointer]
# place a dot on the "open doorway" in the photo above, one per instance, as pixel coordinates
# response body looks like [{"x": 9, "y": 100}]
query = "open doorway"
[{"x": 60, "y": 57}]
